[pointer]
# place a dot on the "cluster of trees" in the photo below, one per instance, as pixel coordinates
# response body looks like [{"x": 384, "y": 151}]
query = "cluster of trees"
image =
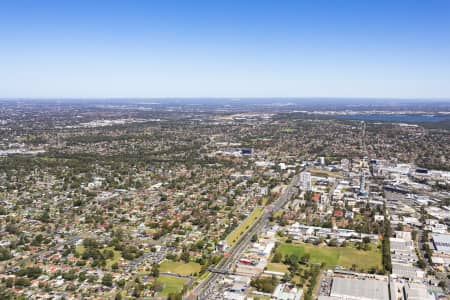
[
  {"x": 365, "y": 245},
  {"x": 5, "y": 254},
  {"x": 367, "y": 224},
  {"x": 129, "y": 252},
  {"x": 107, "y": 280},
  {"x": 386, "y": 245},
  {"x": 185, "y": 255},
  {"x": 70, "y": 275},
  {"x": 92, "y": 251},
  {"x": 45, "y": 216},
  {"x": 293, "y": 260},
  {"x": 18, "y": 282},
  {"x": 6, "y": 294},
  {"x": 155, "y": 270},
  {"x": 30, "y": 272},
  {"x": 265, "y": 284},
  {"x": 23, "y": 278},
  {"x": 426, "y": 247},
  {"x": 137, "y": 287},
  {"x": 175, "y": 296},
  {"x": 314, "y": 274},
  {"x": 308, "y": 274}
]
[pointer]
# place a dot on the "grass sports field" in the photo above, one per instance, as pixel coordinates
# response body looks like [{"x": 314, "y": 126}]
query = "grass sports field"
[
  {"x": 171, "y": 285},
  {"x": 236, "y": 233},
  {"x": 179, "y": 267},
  {"x": 336, "y": 256}
]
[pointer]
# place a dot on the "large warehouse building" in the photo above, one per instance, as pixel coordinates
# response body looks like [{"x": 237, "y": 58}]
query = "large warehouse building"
[
  {"x": 441, "y": 243},
  {"x": 357, "y": 289}
]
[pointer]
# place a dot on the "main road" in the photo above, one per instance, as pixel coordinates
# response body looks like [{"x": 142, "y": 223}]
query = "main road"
[{"x": 205, "y": 288}]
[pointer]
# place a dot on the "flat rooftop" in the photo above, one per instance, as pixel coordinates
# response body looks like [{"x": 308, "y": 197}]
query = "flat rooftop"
[
  {"x": 441, "y": 242},
  {"x": 359, "y": 289}
]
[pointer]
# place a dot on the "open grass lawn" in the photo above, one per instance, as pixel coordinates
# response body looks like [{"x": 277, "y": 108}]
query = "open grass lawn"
[
  {"x": 324, "y": 172},
  {"x": 264, "y": 201},
  {"x": 260, "y": 297},
  {"x": 246, "y": 224},
  {"x": 277, "y": 267},
  {"x": 336, "y": 256},
  {"x": 80, "y": 249},
  {"x": 171, "y": 284},
  {"x": 179, "y": 267}
]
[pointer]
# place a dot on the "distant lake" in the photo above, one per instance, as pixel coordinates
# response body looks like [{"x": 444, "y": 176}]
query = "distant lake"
[{"x": 396, "y": 118}]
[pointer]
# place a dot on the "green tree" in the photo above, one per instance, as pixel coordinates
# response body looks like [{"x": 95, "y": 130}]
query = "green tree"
[
  {"x": 185, "y": 256},
  {"x": 107, "y": 279},
  {"x": 155, "y": 270},
  {"x": 5, "y": 254},
  {"x": 175, "y": 296},
  {"x": 254, "y": 238}
]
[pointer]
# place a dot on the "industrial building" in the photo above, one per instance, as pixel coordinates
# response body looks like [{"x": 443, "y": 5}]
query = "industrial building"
[
  {"x": 416, "y": 291},
  {"x": 441, "y": 243},
  {"x": 357, "y": 289}
]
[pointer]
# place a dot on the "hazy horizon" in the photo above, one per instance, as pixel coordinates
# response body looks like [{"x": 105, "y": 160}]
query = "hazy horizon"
[{"x": 324, "y": 103}]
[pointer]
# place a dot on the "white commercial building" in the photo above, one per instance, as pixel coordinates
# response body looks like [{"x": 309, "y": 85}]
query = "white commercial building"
[
  {"x": 358, "y": 289},
  {"x": 305, "y": 181}
]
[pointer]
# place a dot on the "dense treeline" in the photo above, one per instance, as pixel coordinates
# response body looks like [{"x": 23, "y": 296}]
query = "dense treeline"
[{"x": 386, "y": 247}]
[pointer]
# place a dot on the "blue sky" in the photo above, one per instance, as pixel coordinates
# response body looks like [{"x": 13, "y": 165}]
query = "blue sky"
[{"x": 332, "y": 48}]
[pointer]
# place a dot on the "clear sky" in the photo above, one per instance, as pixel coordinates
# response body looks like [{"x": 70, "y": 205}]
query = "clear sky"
[{"x": 225, "y": 48}]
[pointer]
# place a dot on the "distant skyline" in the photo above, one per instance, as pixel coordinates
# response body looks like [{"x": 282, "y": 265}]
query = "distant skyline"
[{"x": 225, "y": 49}]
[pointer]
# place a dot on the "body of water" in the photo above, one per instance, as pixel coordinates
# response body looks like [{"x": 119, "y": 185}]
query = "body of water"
[{"x": 397, "y": 118}]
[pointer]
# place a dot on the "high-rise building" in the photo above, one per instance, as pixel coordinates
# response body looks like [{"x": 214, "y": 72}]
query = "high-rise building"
[
  {"x": 362, "y": 183},
  {"x": 322, "y": 160},
  {"x": 305, "y": 181}
]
